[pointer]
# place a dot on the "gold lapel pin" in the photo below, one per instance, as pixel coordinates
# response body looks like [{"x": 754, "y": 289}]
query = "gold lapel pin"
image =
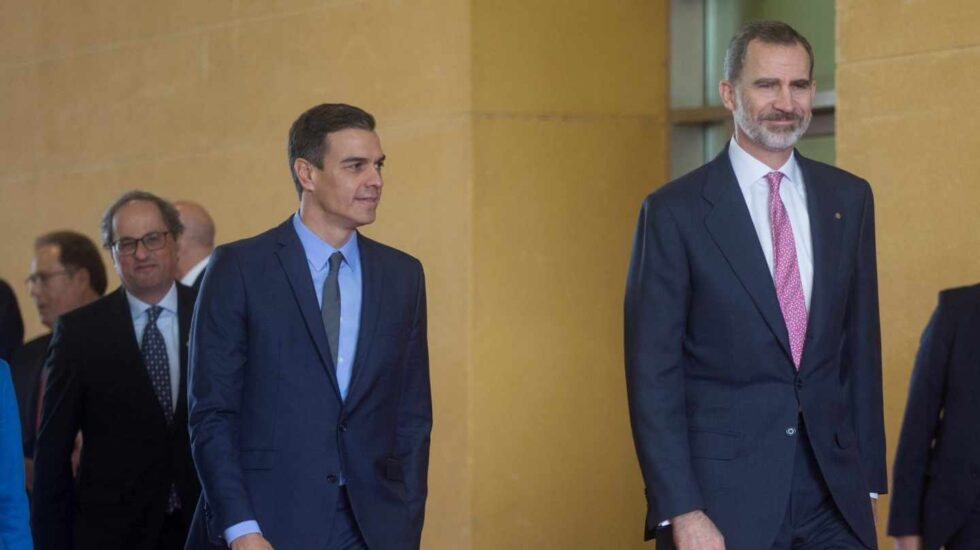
[{"x": 837, "y": 215}]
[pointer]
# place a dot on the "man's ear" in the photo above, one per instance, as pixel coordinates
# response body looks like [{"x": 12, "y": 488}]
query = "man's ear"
[
  {"x": 82, "y": 278},
  {"x": 726, "y": 90},
  {"x": 304, "y": 173}
]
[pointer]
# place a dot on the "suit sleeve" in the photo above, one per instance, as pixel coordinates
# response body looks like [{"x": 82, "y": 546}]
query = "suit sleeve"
[
  {"x": 657, "y": 296},
  {"x": 218, "y": 352},
  {"x": 922, "y": 413},
  {"x": 415, "y": 412},
  {"x": 54, "y": 498},
  {"x": 861, "y": 354}
]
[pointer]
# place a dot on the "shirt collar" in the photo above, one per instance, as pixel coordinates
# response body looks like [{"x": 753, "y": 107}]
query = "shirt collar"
[
  {"x": 191, "y": 275},
  {"x": 318, "y": 251},
  {"x": 138, "y": 307},
  {"x": 749, "y": 169}
]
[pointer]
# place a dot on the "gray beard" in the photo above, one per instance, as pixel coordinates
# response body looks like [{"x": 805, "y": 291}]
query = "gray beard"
[{"x": 774, "y": 141}]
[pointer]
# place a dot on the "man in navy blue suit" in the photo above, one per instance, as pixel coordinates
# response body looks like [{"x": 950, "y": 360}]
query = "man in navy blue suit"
[
  {"x": 310, "y": 408},
  {"x": 936, "y": 491},
  {"x": 752, "y": 337}
]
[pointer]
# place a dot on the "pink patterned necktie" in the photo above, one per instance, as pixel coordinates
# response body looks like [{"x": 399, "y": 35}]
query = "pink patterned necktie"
[{"x": 786, "y": 270}]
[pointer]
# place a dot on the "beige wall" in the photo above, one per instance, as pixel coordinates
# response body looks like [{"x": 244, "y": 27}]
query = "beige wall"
[
  {"x": 193, "y": 99},
  {"x": 906, "y": 121},
  {"x": 521, "y": 137},
  {"x": 569, "y": 102}
]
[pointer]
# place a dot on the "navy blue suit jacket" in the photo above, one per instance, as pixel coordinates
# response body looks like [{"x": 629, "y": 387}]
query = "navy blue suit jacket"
[
  {"x": 711, "y": 382},
  {"x": 269, "y": 432},
  {"x": 937, "y": 465}
]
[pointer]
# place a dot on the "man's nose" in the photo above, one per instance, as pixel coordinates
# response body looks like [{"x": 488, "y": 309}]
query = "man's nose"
[
  {"x": 376, "y": 179},
  {"x": 141, "y": 251},
  {"x": 784, "y": 99}
]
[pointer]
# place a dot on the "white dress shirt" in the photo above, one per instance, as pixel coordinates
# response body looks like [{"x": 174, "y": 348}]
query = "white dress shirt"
[
  {"x": 191, "y": 275},
  {"x": 751, "y": 175}
]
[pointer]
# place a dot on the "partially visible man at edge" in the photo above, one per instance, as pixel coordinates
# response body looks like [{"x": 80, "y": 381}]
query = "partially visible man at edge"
[
  {"x": 196, "y": 243},
  {"x": 753, "y": 356},
  {"x": 936, "y": 489},
  {"x": 66, "y": 273}
]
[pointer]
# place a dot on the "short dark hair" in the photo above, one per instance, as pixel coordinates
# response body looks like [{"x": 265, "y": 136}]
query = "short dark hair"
[
  {"x": 76, "y": 251},
  {"x": 308, "y": 134},
  {"x": 767, "y": 32},
  {"x": 167, "y": 210}
]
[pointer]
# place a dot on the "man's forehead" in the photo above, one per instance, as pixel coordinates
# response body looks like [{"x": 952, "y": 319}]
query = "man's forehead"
[
  {"x": 137, "y": 213},
  {"x": 351, "y": 139},
  {"x": 47, "y": 254},
  {"x": 761, "y": 55}
]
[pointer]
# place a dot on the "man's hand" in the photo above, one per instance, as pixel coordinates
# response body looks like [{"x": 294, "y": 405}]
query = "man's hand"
[
  {"x": 908, "y": 542},
  {"x": 76, "y": 454},
  {"x": 251, "y": 541},
  {"x": 29, "y": 474},
  {"x": 695, "y": 531}
]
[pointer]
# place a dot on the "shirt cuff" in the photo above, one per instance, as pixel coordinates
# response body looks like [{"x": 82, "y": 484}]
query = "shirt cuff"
[
  {"x": 241, "y": 529},
  {"x": 874, "y": 495}
]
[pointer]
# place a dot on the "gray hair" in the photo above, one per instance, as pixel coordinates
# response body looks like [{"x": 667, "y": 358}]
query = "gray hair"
[
  {"x": 167, "y": 210},
  {"x": 767, "y": 32}
]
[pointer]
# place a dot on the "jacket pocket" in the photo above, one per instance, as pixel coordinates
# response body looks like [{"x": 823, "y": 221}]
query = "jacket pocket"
[
  {"x": 393, "y": 469},
  {"x": 257, "y": 459},
  {"x": 713, "y": 445}
]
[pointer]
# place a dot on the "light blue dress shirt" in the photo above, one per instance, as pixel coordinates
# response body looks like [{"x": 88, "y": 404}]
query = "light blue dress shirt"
[
  {"x": 169, "y": 327},
  {"x": 349, "y": 279}
]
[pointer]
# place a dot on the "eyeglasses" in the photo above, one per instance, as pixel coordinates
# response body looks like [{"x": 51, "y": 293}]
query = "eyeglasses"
[
  {"x": 151, "y": 241},
  {"x": 42, "y": 277}
]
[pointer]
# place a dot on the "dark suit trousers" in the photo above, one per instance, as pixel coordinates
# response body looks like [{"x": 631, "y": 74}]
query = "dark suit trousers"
[
  {"x": 968, "y": 537},
  {"x": 812, "y": 520},
  {"x": 344, "y": 534},
  {"x": 173, "y": 534}
]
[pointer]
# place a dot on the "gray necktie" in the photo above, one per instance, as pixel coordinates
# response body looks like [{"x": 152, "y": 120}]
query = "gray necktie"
[{"x": 331, "y": 305}]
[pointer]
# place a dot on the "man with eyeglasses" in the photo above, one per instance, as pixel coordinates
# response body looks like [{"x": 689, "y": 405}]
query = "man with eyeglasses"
[
  {"x": 117, "y": 373},
  {"x": 66, "y": 273}
]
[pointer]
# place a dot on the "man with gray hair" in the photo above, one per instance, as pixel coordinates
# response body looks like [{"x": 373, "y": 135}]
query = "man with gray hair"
[
  {"x": 753, "y": 358},
  {"x": 118, "y": 374}
]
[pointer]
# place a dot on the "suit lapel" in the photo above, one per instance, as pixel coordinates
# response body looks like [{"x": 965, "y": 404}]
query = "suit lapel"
[
  {"x": 372, "y": 276},
  {"x": 826, "y": 232},
  {"x": 730, "y": 225},
  {"x": 292, "y": 258},
  {"x": 128, "y": 351},
  {"x": 185, "y": 310}
]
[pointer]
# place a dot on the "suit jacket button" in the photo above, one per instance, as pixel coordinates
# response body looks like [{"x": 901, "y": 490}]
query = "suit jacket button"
[
  {"x": 799, "y": 384},
  {"x": 790, "y": 431},
  {"x": 331, "y": 478},
  {"x": 343, "y": 427}
]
